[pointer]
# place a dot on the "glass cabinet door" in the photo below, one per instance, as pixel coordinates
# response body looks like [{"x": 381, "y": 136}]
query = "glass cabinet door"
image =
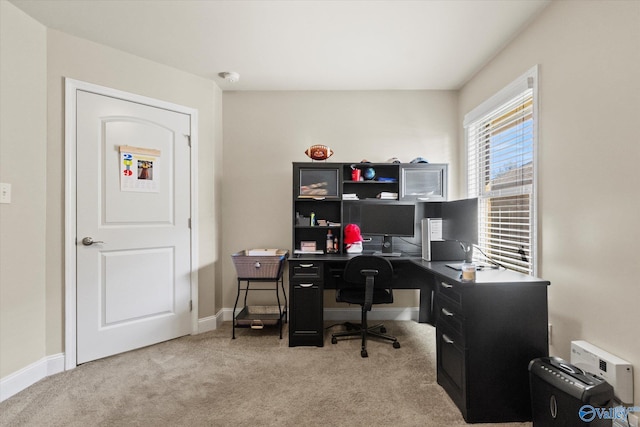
[
  {"x": 318, "y": 182},
  {"x": 424, "y": 182}
]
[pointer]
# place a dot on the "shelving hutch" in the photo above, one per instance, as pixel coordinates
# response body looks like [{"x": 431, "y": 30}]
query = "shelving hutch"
[{"x": 326, "y": 191}]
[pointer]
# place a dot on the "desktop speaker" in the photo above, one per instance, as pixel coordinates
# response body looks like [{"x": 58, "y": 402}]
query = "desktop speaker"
[{"x": 426, "y": 240}]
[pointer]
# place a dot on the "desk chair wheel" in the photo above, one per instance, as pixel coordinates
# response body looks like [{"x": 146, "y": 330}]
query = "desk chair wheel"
[
  {"x": 364, "y": 353},
  {"x": 396, "y": 344},
  {"x": 383, "y": 330},
  {"x": 334, "y": 340}
]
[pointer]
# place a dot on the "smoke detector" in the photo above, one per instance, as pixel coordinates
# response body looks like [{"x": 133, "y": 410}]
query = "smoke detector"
[{"x": 230, "y": 76}]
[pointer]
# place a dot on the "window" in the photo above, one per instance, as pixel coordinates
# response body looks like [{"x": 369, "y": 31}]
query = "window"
[{"x": 501, "y": 159}]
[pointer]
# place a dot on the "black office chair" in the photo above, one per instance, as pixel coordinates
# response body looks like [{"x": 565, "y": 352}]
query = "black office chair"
[{"x": 368, "y": 280}]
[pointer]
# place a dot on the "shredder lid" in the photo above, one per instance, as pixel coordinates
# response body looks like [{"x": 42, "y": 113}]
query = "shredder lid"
[{"x": 563, "y": 375}]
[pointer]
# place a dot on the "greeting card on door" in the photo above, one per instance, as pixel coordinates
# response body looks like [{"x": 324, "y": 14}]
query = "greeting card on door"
[{"x": 139, "y": 169}]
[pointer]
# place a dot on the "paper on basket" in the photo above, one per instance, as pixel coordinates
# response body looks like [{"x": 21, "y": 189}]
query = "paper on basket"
[{"x": 262, "y": 252}]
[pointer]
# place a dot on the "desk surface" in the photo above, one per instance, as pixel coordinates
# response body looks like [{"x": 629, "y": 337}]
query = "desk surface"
[
  {"x": 347, "y": 257},
  {"x": 483, "y": 277},
  {"x": 487, "y": 276}
]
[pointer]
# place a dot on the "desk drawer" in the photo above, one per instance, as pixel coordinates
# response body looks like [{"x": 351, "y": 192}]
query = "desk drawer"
[
  {"x": 448, "y": 316},
  {"x": 450, "y": 291},
  {"x": 303, "y": 270},
  {"x": 452, "y": 367}
]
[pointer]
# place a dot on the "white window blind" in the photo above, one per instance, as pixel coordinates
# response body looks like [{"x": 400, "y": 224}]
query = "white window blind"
[{"x": 501, "y": 159}]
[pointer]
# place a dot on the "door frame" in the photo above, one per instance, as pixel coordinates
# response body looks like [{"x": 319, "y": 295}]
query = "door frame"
[{"x": 70, "y": 239}]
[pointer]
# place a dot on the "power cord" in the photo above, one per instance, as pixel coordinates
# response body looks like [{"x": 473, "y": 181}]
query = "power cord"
[
  {"x": 410, "y": 243},
  {"x": 489, "y": 258}
]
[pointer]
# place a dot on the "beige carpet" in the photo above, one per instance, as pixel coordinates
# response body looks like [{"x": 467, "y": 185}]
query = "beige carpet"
[{"x": 254, "y": 380}]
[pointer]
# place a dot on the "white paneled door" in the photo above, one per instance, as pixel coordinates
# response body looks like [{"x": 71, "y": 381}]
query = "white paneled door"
[{"x": 133, "y": 248}]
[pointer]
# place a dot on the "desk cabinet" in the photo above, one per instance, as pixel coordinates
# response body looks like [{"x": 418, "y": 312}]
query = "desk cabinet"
[
  {"x": 486, "y": 336},
  {"x": 305, "y": 298}
]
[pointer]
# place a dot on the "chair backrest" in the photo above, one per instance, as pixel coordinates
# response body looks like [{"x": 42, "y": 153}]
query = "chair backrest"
[{"x": 384, "y": 277}]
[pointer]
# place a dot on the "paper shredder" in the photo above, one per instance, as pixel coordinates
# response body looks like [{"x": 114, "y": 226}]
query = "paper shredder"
[{"x": 564, "y": 395}]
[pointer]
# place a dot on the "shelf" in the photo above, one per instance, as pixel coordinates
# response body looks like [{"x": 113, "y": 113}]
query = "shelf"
[
  {"x": 258, "y": 316},
  {"x": 318, "y": 198},
  {"x": 319, "y": 226},
  {"x": 370, "y": 200},
  {"x": 301, "y": 252},
  {"x": 370, "y": 182}
]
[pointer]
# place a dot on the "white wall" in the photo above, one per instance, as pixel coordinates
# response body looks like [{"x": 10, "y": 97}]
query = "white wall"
[
  {"x": 80, "y": 59},
  {"x": 23, "y": 151},
  {"x": 34, "y": 63},
  {"x": 264, "y": 132},
  {"x": 589, "y": 200}
]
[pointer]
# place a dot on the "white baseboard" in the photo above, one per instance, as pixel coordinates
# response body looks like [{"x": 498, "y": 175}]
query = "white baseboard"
[
  {"x": 227, "y": 314},
  {"x": 31, "y": 374},
  {"x": 210, "y": 323}
]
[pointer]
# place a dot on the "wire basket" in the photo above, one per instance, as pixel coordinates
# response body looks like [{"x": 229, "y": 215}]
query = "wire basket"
[{"x": 259, "y": 266}]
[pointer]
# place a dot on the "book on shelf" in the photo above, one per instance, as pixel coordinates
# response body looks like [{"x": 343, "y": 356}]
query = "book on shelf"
[
  {"x": 350, "y": 196},
  {"x": 386, "y": 195}
]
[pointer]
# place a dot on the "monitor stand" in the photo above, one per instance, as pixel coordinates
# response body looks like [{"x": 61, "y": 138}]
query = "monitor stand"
[{"x": 387, "y": 247}]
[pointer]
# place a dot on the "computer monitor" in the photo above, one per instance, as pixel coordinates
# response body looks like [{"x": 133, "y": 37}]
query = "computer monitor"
[
  {"x": 388, "y": 220},
  {"x": 460, "y": 223}
]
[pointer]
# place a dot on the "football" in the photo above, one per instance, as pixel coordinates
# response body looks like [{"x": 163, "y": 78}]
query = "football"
[{"x": 319, "y": 152}]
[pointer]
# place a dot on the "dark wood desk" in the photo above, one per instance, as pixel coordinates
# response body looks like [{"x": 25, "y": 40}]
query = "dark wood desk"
[
  {"x": 487, "y": 330},
  {"x": 408, "y": 273},
  {"x": 310, "y": 275}
]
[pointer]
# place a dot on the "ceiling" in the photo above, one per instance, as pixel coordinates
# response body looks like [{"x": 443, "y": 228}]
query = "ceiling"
[{"x": 302, "y": 44}]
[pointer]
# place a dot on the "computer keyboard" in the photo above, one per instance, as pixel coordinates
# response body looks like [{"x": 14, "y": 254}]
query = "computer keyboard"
[{"x": 387, "y": 253}]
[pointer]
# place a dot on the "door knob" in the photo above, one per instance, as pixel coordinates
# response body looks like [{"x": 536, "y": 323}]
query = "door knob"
[{"x": 88, "y": 241}]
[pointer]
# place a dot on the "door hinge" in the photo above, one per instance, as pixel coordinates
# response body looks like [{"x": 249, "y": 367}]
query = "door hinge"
[
  {"x": 189, "y": 222},
  {"x": 190, "y": 305},
  {"x": 188, "y": 139}
]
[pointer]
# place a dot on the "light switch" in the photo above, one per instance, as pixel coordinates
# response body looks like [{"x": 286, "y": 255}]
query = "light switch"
[{"x": 5, "y": 192}]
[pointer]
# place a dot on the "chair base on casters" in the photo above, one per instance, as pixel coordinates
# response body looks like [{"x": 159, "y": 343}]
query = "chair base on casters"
[
  {"x": 369, "y": 280},
  {"x": 355, "y": 330}
]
